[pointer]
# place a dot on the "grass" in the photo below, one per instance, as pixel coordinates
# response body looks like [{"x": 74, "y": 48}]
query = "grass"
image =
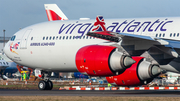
[
  {"x": 85, "y": 98},
  {"x": 18, "y": 85},
  {"x": 23, "y": 86}
]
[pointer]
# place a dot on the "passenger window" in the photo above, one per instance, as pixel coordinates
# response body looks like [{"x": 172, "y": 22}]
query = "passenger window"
[
  {"x": 73, "y": 37},
  {"x": 43, "y": 38},
  {"x": 50, "y": 38},
  {"x": 170, "y": 34},
  {"x": 47, "y": 38},
  {"x": 174, "y": 34},
  {"x": 60, "y": 38},
  {"x": 66, "y": 37},
  {"x": 70, "y": 37},
  {"x": 87, "y": 37},
  {"x": 156, "y": 35},
  {"x": 56, "y": 37},
  {"x": 31, "y": 38},
  {"x": 163, "y": 35},
  {"x": 63, "y": 37},
  {"x": 159, "y": 35},
  {"x": 177, "y": 34},
  {"x": 53, "y": 37},
  {"x": 83, "y": 37}
]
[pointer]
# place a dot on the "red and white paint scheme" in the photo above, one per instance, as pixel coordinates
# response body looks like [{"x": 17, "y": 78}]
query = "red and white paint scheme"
[
  {"x": 139, "y": 72},
  {"x": 99, "y": 60},
  {"x": 54, "y": 12},
  {"x": 119, "y": 88},
  {"x": 127, "y": 52}
]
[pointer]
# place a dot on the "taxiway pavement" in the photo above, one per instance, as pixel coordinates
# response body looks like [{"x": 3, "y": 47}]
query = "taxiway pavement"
[{"x": 137, "y": 93}]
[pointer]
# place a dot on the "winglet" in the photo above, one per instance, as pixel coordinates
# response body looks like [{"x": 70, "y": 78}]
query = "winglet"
[
  {"x": 100, "y": 24},
  {"x": 54, "y": 12}
]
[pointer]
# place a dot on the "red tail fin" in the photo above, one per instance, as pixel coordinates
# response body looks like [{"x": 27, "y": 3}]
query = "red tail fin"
[{"x": 54, "y": 12}]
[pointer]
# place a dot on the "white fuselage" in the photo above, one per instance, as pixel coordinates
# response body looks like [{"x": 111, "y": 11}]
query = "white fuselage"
[{"x": 52, "y": 46}]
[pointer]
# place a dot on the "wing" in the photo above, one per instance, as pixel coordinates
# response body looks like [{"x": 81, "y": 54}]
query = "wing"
[
  {"x": 116, "y": 37},
  {"x": 157, "y": 48}
]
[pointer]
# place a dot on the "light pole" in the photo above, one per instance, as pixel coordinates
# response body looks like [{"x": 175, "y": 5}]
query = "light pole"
[{"x": 4, "y": 37}]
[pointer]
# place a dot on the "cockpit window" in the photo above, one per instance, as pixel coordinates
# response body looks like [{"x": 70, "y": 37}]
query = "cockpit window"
[{"x": 13, "y": 38}]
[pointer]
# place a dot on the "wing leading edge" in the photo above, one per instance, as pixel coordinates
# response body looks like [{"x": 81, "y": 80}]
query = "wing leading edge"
[{"x": 140, "y": 42}]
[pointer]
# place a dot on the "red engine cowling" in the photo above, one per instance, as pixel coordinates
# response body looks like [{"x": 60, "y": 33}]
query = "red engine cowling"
[
  {"x": 139, "y": 73},
  {"x": 98, "y": 60}
]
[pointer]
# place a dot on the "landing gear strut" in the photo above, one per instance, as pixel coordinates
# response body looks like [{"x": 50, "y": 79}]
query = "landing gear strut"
[{"x": 45, "y": 84}]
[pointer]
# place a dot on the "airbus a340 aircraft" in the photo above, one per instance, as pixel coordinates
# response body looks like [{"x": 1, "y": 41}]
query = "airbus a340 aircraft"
[{"x": 128, "y": 52}]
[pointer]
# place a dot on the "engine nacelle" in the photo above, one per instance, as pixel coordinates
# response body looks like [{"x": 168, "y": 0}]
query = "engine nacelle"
[
  {"x": 141, "y": 72},
  {"x": 98, "y": 60}
]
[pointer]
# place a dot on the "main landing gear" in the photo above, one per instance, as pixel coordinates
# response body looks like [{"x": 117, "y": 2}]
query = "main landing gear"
[{"x": 45, "y": 84}]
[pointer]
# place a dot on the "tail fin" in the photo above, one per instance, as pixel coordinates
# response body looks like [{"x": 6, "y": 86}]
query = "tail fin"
[{"x": 54, "y": 12}]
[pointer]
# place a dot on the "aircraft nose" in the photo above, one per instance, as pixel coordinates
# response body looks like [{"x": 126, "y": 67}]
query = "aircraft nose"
[{"x": 6, "y": 48}]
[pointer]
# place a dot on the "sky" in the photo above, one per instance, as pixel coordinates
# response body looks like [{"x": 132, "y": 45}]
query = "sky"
[{"x": 16, "y": 14}]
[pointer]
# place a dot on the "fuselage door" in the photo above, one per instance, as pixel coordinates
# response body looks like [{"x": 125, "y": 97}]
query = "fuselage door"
[{"x": 23, "y": 44}]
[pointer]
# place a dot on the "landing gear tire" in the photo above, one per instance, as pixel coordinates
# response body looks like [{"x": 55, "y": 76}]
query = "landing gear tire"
[
  {"x": 42, "y": 85},
  {"x": 50, "y": 85},
  {"x": 45, "y": 85}
]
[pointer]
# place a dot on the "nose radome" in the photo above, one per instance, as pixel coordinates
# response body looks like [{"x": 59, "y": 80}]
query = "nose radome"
[{"x": 6, "y": 48}]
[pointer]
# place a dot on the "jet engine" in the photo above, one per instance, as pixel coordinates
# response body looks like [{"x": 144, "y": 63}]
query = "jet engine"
[
  {"x": 99, "y": 60},
  {"x": 141, "y": 72}
]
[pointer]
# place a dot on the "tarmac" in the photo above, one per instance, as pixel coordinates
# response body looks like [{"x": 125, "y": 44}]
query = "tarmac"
[{"x": 122, "y": 93}]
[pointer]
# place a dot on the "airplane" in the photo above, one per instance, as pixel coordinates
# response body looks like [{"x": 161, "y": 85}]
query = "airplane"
[
  {"x": 128, "y": 52},
  {"x": 3, "y": 65},
  {"x": 79, "y": 75}
]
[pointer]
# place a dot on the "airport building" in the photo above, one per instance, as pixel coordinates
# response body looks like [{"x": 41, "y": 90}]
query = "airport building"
[{"x": 3, "y": 41}]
